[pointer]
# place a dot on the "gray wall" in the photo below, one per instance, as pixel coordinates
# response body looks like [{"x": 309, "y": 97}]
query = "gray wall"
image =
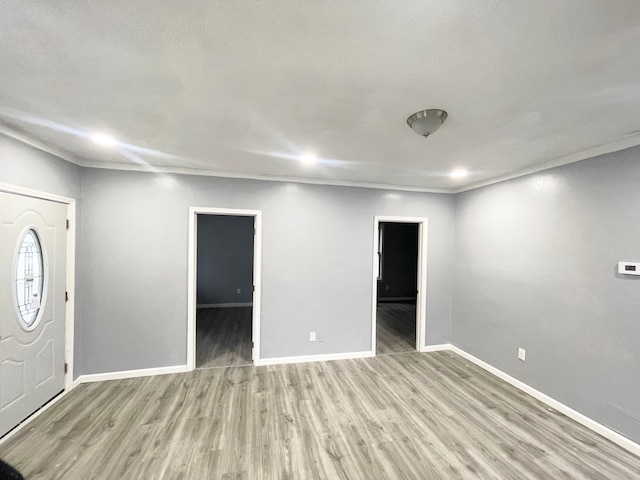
[
  {"x": 535, "y": 267},
  {"x": 225, "y": 259},
  {"x": 317, "y": 261},
  {"x": 29, "y": 167}
]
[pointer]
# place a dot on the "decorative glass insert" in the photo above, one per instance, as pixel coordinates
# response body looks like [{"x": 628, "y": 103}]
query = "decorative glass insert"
[{"x": 29, "y": 278}]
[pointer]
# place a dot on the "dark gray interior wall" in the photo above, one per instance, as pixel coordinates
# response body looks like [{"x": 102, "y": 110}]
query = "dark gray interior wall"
[
  {"x": 225, "y": 259},
  {"x": 28, "y": 167},
  {"x": 535, "y": 267},
  {"x": 399, "y": 261},
  {"x": 317, "y": 263}
]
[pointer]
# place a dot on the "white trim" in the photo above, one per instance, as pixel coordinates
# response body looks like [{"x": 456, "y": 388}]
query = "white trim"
[
  {"x": 600, "y": 429},
  {"x": 262, "y": 177},
  {"x": 316, "y": 358},
  {"x": 565, "y": 160},
  {"x": 69, "y": 341},
  {"x": 613, "y": 147},
  {"x": 435, "y": 348},
  {"x": 192, "y": 276},
  {"x": 145, "y": 372},
  {"x": 558, "y": 162},
  {"x": 70, "y": 266},
  {"x": 223, "y": 305},
  {"x": 421, "y": 298},
  {"x": 26, "y": 139},
  {"x": 191, "y": 291},
  {"x": 29, "y": 192}
]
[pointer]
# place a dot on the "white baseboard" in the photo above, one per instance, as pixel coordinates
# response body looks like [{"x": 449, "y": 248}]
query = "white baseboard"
[
  {"x": 224, "y": 305},
  {"x": 435, "y": 348},
  {"x": 600, "y": 429},
  {"x": 146, "y": 372},
  {"x": 315, "y": 358}
]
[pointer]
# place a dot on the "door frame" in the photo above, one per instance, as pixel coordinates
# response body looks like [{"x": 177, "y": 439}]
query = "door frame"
[
  {"x": 70, "y": 273},
  {"x": 193, "y": 273},
  {"x": 421, "y": 298}
]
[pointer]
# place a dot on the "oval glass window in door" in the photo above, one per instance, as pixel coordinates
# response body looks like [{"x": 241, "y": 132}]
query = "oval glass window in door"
[{"x": 29, "y": 279}]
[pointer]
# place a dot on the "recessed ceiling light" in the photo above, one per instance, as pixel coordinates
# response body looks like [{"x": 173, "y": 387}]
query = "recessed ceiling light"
[
  {"x": 104, "y": 140},
  {"x": 458, "y": 173},
  {"x": 308, "y": 158}
]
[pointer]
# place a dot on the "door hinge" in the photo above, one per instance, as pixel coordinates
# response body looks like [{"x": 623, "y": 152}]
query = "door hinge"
[
  {"x": 66, "y": 367},
  {"x": 67, "y": 224},
  {"x": 254, "y": 288},
  {"x": 66, "y": 296}
]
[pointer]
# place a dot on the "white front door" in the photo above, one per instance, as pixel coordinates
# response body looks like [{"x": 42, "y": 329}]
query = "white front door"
[{"x": 32, "y": 305}]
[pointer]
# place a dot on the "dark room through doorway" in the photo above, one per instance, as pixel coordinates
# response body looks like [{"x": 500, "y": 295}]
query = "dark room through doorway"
[
  {"x": 224, "y": 290},
  {"x": 397, "y": 287}
]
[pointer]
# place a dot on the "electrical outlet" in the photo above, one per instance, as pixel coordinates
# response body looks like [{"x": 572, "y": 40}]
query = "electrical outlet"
[
  {"x": 522, "y": 353},
  {"x": 321, "y": 336},
  {"x": 312, "y": 336},
  {"x": 239, "y": 291}
]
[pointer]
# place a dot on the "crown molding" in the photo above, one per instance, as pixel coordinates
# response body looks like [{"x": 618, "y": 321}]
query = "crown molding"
[
  {"x": 593, "y": 152},
  {"x": 263, "y": 177},
  {"x": 629, "y": 142},
  {"x": 32, "y": 142}
]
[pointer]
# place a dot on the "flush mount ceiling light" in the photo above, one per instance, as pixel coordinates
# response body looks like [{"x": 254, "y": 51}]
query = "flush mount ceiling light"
[
  {"x": 458, "y": 173},
  {"x": 103, "y": 139},
  {"x": 308, "y": 158},
  {"x": 426, "y": 122}
]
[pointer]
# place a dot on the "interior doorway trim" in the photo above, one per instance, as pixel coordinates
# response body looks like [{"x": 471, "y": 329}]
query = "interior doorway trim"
[
  {"x": 191, "y": 283},
  {"x": 421, "y": 300},
  {"x": 70, "y": 279}
]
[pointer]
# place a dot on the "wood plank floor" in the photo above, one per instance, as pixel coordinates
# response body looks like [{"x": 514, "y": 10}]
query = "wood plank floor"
[
  {"x": 223, "y": 337},
  {"x": 395, "y": 327},
  {"x": 403, "y": 416}
]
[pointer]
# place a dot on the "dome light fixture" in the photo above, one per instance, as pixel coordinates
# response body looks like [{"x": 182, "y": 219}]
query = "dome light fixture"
[{"x": 426, "y": 122}]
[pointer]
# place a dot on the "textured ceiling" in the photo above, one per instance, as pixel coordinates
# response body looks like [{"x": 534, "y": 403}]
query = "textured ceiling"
[{"x": 244, "y": 87}]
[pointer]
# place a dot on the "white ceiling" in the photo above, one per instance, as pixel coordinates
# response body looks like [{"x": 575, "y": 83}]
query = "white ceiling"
[{"x": 244, "y": 87}]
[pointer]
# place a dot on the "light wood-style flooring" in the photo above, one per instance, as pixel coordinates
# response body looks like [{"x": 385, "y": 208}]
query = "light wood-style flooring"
[
  {"x": 223, "y": 337},
  {"x": 404, "y": 416},
  {"x": 395, "y": 327}
]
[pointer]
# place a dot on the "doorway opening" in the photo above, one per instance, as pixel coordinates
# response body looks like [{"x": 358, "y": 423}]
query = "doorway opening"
[
  {"x": 399, "y": 313},
  {"x": 224, "y": 296}
]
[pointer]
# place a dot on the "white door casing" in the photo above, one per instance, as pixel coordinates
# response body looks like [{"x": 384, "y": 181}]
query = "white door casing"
[
  {"x": 421, "y": 300},
  {"x": 192, "y": 276},
  {"x": 32, "y": 347}
]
